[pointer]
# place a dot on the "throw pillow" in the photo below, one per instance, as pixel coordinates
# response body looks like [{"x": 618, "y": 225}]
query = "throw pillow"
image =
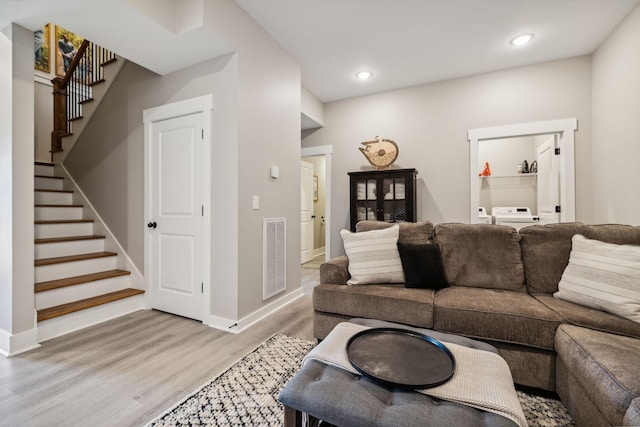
[
  {"x": 373, "y": 256},
  {"x": 604, "y": 276},
  {"x": 422, "y": 265}
]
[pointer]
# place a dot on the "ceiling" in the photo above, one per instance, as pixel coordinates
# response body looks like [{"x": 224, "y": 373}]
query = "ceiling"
[
  {"x": 403, "y": 42},
  {"x": 410, "y": 42}
]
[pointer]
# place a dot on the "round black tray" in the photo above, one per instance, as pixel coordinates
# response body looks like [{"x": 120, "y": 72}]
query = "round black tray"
[{"x": 400, "y": 358}]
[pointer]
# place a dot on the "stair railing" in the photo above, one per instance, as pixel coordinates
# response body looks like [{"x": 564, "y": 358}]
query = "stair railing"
[{"x": 75, "y": 88}]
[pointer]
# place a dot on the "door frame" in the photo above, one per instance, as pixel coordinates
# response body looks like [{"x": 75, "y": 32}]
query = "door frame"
[
  {"x": 204, "y": 105},
  {"x": 565, "y": 127},
  {"x": 326, "y": 151}
]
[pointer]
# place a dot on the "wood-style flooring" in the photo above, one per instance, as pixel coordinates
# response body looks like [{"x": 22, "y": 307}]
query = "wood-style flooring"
[{"x": 127, "y": 371}]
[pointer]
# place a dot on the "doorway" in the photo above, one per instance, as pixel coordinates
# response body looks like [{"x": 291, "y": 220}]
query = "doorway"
[
  {"x": 560, "y": 173},
  {"x": 320, "y": 157},
  {"x": 177, "y": 201}
]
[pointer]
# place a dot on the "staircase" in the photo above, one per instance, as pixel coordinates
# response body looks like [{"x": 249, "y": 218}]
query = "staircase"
[{"x": 78, "y": 282}]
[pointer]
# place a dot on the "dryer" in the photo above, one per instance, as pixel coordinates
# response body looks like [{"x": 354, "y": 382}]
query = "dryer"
[{"x": 516, "y": 217}]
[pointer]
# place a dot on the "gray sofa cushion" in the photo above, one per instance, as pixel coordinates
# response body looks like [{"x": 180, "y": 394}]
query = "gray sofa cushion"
[
  {"x": 481, "y": 255},
  {"x": 410, "y": 232},
  {"x": 391, "y": 302},
  {"x": 580, "y": 315},
  {"x": 545, "y": 254},
  {"x": 546, "y": 249},
  {"x": 605, "y": 365},
  {"x": 497, "y": 315}
]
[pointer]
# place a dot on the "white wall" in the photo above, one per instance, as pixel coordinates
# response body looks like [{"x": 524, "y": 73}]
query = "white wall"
[
  {"x": 17, "y": 313},
  {"x": 506, "y": 187},
  {"x": 616, "y": 125},
  {"x": 256, "y": 124},
  {"x": 430, "y": 122}
]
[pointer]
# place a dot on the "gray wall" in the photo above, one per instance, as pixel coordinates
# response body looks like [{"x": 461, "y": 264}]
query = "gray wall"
[
  {"x": 430, "y": 122},
  {"x": 256, "y": 124},
  {"x": 616, "y": 125}
]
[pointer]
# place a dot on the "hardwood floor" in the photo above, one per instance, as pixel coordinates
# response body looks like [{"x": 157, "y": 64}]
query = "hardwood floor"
[{"x": 127, "y": 371}]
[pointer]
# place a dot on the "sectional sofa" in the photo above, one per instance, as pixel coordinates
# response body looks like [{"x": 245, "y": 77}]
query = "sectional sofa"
[{"x": 502, "y": 287}]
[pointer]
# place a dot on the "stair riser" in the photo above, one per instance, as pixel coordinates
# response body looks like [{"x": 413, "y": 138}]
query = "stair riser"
[
  {"x": 45, "y": 273},
  {"x": 44, "y": 170},
  {"x": 77, "y": 292},
  {"x": 46, "y": 198},
  {"x": 55, "y": 214},
  {"x": 48, "y": 183},
  {"x": 77, "y": 247},
  {"x": 57, "y": 326},
  {"x": 47, "y": 231}
]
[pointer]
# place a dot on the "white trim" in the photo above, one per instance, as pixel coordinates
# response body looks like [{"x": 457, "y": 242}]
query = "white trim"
[
  {"x": 318, "y": 251},
  {"x": 13, "y": 344},
  {"x": 565, "y": 127},
  {"x": 327, "y": 152},
  {"x": 235, "y": 327},
  {"x": 204, "y": 105},
  {"x": 136, "y": 279}
]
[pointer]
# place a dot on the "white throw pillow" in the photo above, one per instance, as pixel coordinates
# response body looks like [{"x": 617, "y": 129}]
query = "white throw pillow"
[
  {"x": 603, "y": 276},
  {"x": 373, "y": 256}
]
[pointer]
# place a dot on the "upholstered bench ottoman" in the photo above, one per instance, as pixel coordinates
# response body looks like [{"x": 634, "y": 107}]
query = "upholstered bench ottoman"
[
  {"x": 597, "y": 376},
  {"x": 323, "y": 392}
]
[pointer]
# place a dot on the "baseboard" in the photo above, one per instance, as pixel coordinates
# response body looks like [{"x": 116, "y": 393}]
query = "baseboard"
[
  {"x": 13, "y": 344},
  {"x": 318, "y": 252},
  {"x": 248, "y": 321},
  {"x": 237, "y": 326}
]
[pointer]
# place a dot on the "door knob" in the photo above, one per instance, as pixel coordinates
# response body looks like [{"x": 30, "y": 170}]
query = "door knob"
[{"x": 152, "y": 224}]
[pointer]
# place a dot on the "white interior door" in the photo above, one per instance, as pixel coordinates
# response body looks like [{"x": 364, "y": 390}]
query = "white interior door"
[
  {"x": 548, "y": 181},
  {"x": 306, "y": 211},
  {"x": 176, "y": 215}
]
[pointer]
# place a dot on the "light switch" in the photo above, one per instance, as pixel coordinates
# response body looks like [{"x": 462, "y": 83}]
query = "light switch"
[{"x": 256, "y": 203}]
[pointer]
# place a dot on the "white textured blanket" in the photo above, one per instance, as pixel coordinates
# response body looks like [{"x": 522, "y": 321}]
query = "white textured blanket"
[{"x": 482, "y": 379}]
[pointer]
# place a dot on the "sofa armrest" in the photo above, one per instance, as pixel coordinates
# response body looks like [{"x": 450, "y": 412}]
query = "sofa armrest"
[{"x": 335, "y": 271}]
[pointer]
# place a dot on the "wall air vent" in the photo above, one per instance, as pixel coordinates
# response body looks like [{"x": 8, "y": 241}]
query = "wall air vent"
[{"x": 274, "y": 250}]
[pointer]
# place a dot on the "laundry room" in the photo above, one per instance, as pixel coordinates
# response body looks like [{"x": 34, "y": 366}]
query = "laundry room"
[{"x": 509, "y": 187}]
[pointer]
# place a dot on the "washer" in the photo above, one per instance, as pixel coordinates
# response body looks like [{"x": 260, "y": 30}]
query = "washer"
[
  {"x": 516, "y": 217},
  {"x": 483, "y": 217}
]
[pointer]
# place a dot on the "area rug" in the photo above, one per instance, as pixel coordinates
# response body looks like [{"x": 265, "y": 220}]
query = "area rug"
[{"x": 246, "y": 394}]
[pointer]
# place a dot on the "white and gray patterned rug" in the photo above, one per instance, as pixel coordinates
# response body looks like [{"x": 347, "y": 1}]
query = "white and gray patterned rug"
[{"x": 246, "y": 393}]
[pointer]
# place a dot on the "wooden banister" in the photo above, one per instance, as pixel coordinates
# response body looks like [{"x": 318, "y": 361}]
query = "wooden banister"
[{"x": 70, "y": 91}]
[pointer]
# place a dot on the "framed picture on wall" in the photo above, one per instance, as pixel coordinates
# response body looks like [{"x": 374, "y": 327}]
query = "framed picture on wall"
[
  {"x": 42, "y": 49},
  {"x": 67, "y": 44},
  {"x": 315, "y": 188}
]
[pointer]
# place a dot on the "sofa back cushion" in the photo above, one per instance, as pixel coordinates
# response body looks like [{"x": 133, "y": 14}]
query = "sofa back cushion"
[
  {"x": 545, "y": 254},
  {"x": 410, "y": 232},
  {"x": 546, "y": 249},
  {"x": 481, "y": 255}
]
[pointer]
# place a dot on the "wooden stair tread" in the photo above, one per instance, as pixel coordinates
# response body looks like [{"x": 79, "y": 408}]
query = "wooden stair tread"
[
  {"x": 60, "y": 310},
  {"x": 72, "y": 258},
  {"x": 47, "y": 176},
  {"x": 57, "y": 206},
  {"x": 53, "y": 191},
  {"x": 78, "y": 280},
  {"x": 44, "y": 163},
  {"x": 68, "y": 239},
  {"x": 63, "y": 221}
]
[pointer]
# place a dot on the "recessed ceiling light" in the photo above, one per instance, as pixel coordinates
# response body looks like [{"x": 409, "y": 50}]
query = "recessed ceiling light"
[
  {"x": 522, "y": 39},
  {"x": 364, "y": 75}
]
